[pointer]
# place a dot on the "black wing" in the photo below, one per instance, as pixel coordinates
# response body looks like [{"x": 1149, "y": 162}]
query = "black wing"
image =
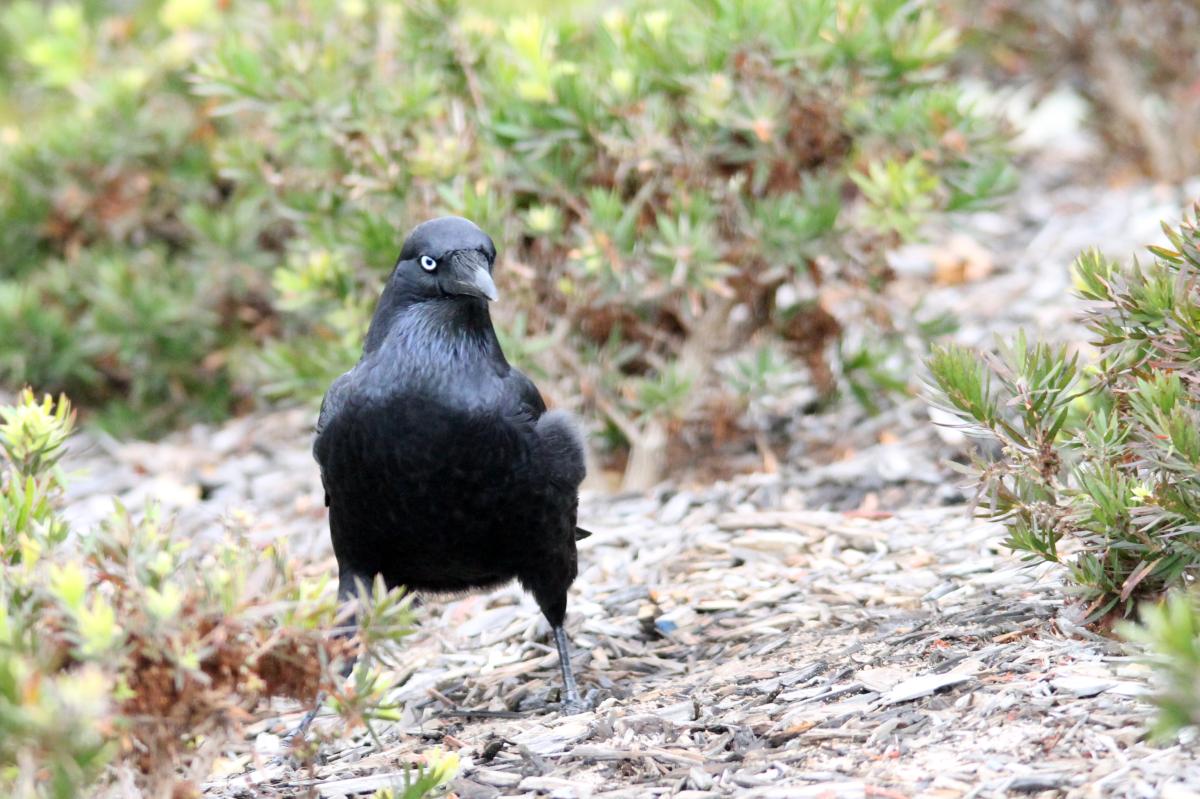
[
  {"x": 528, "y": 399},
  {"x": 331, "y": 405},
  {"x": 562, "y": 443},
  {"x": 563, "y": 446}
]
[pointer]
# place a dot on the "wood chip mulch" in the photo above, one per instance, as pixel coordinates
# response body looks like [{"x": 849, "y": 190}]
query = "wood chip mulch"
[{"x": 737, "y": 644}]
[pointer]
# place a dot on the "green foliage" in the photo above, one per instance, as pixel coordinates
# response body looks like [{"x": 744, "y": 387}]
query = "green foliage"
[
  {"x": 425, "y": 778},
  {"x": 1171, "y": 631},
  {"x": 759, "y": 372},
  {"x": 126, "y": 645},
  {"x": 246, "y": 172},
  {"x": 1105, "y": 458}
]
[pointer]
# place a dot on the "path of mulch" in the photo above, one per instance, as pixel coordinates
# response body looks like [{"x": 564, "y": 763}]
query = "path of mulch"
[
  {"x": 739, "y": 643},
  {"x": 747, "y": 638},
  {"x": 743, "y": 646}
]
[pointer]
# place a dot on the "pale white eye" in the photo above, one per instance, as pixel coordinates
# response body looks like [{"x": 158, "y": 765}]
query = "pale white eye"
[{"x": 428, "y": 264}]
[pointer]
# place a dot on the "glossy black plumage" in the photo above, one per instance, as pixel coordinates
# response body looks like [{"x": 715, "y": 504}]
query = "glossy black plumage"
[{"x": 443, "y": 471}]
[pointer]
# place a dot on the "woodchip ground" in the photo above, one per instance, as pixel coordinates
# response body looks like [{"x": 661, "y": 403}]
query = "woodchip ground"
[{"x": 839, "y": 629}]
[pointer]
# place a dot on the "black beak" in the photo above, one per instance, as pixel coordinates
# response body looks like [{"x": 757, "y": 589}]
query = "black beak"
[{"x": 469, "y": 275}]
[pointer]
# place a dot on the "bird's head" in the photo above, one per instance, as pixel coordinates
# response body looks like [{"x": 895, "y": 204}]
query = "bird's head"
[{"x": 446, "y": 257}]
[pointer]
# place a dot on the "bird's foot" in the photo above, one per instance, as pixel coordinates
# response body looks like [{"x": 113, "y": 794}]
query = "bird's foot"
[
  {"x": 294, "y": 739},
  {"x": 300, "y": 730},
  {"x": 572, "y": 705},
  {"x": 285, "y": 759}
]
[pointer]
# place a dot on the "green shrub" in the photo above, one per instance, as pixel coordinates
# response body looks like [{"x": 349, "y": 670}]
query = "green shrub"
[
  {"x": 1099, "y": 468},
  {"x": 110, "y": 286},
  {"x": 1171, "y": 630},
  {"x": 128, "y": 646},
  {"x": 655, "y": 176}
]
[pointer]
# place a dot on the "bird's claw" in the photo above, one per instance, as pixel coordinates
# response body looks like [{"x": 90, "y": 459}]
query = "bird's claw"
[
  {"x": 573, "y": 705},
  {"x": 284, "y": 761},
  {"x": 286, "y": 758},
  {"x": 294, "y": 739}
]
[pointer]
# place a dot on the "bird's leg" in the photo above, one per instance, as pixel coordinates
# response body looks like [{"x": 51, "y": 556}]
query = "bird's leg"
[
  {"x": 571, "y": 702},
  {"x": 301, "y": 729},
  {"x": 345, "y": 631}
]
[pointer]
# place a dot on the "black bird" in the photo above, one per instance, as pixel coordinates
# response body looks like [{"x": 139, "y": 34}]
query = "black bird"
[{"x": 443, "y": 470}]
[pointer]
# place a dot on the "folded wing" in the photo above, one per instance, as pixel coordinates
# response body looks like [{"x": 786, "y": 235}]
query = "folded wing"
[{"x": 562, "y": 446}]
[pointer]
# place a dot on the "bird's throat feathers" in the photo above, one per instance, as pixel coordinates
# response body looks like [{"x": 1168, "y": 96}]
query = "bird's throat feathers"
[{"x": 436, "y": 335}]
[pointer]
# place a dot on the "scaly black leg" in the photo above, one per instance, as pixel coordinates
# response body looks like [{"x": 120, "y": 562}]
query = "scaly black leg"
[
  {"x": 571, "y": 702},
  {"x": 301, "y": 729},
  {"x": 345, "y": 631}
]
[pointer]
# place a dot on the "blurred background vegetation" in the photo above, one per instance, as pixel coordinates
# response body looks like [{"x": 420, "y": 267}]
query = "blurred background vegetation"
[
  {"x": 1134, "y": 62},
  {"x": 693, "y": 199},
  {"x": 199, "y": 199}
]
